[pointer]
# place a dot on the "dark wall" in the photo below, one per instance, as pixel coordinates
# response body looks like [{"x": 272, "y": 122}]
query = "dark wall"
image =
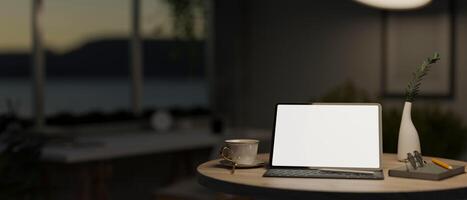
[
  {"x": 296, "y": 51},
  {"x": 284, "y": 51}
]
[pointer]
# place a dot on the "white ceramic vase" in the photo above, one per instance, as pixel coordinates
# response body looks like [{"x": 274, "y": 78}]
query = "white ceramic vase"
[{"x": 408, "y": 136}]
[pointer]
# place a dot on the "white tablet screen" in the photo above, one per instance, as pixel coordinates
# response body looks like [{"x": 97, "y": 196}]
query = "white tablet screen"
[{"x": 327, "y": 136}]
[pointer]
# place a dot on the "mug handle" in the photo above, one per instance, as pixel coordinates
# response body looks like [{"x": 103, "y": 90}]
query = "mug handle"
[{"x": 225, "y": 155}]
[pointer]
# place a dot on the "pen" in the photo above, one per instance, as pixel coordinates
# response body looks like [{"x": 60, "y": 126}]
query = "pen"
[
  {"x": 412, "y": 160},
  {"x": 419, "y": 158},
  {"x": 441, "y": 163}
]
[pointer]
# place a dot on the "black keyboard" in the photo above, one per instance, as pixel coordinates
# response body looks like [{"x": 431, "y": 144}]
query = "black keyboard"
[{"x": 315, "y": 173}]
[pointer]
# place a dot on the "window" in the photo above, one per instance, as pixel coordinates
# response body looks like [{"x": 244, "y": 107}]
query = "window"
[
  {"x": 87, "y": 55},
  {"x": 15, "y": 43}
]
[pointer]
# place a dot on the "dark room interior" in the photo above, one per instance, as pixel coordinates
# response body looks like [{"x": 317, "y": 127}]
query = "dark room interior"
[{"x": 164, "y": 99}]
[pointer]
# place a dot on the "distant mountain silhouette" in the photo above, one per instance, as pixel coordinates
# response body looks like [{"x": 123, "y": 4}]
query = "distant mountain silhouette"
[{"x": 110, "y": 58}]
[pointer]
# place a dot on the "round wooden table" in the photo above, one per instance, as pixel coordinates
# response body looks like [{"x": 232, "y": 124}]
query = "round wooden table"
[{"x": 250, "y": 182}]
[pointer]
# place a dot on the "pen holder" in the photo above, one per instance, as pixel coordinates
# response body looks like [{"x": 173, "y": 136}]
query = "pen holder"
[{"x": 420, "y": 169}]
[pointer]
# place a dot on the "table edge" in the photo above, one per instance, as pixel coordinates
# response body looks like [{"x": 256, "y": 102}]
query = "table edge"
[{"x": 248, "y": 189}]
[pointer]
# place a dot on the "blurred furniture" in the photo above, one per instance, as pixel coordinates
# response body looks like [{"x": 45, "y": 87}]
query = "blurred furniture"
[
  {"x": 95, "y": 148},
  {"x": 91, "y": 154},
  {"x": 249, "y": 182}
]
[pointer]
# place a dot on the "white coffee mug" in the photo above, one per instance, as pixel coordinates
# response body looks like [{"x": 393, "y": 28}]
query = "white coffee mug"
[{"x": 240, "y": 151}]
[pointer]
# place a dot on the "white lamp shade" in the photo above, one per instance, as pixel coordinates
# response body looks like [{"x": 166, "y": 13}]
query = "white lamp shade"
[{"x": 395, "y": 4}]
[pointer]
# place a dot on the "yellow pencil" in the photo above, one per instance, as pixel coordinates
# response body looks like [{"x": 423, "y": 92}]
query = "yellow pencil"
[{"x": 441, "y": 163}]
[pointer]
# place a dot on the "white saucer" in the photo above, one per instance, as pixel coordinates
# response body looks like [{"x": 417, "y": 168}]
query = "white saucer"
[{"x": 257, "y": 163}]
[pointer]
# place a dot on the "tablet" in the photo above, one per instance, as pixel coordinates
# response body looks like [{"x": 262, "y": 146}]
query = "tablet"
[{"x": 326, "y": 135}]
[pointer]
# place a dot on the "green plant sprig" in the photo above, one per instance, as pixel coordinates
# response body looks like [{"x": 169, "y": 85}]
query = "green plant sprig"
[{"x": 414, "y": 85}]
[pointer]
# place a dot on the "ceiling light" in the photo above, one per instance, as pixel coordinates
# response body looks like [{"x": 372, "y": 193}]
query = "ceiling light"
[{"x": 395, "y": 4}]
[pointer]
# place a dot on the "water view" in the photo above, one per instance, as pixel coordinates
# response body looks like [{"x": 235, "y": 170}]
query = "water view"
[{"x": 103, "y": 94}]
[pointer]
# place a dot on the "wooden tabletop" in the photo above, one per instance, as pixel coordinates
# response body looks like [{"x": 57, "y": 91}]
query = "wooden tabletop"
[{"x": 250, "y": 182}]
